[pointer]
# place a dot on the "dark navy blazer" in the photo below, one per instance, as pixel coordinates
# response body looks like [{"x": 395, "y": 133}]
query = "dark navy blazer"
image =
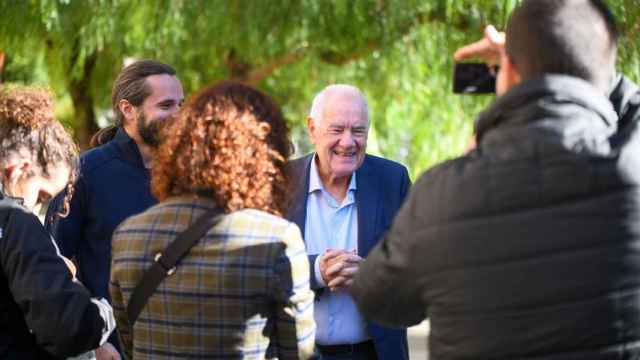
[{"x": 381, "y": 188}]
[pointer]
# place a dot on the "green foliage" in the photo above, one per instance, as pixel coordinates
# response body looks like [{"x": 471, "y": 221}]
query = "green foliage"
[
  {"x": 397, "y": 51},
  {"x": 628, "y": 15}
]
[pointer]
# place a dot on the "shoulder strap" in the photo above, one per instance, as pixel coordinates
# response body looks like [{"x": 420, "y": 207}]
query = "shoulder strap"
[{"x": 165, "y": 263}]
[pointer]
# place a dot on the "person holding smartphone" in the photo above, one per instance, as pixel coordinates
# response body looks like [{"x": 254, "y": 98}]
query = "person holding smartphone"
[
  {"x": 623, "y": 93},
  {"x": 527, "y": 247}
]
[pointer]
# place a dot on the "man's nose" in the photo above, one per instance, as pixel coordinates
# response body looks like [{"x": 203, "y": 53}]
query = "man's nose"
[{"x": 346, "y": 139}]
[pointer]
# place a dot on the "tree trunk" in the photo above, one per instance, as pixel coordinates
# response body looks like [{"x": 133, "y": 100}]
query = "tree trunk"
[
  {"x": 2, "y": 56},
  {"x": 85, "y": 117},
  {"x": 238, "y": 69}
]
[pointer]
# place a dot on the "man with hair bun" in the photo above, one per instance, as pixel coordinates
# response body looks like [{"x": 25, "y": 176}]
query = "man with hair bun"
[
  {"x": 45, "y": 313},
  {"x": 528, "y": 247},
  {"x": 114, "y": 181}
]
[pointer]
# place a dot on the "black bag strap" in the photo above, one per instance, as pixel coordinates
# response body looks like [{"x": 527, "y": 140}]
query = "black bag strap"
[{"x": 165, "y": 263}]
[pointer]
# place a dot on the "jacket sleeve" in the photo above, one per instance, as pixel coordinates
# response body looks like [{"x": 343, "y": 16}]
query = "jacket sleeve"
[
  {"x": 59, "y": 312},
  {"x": 315, "y": 278},
  {"x": 405, "y": 184},
  {"x": 122, "y": 321},
  {"x": 125, "y": 330},
  {"x": 68, "y": 231},
  {"x": 295, "y": 326},
  {"x": 385, "y": 288}
]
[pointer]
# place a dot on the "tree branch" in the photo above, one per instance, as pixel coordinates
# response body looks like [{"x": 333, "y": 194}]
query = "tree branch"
[
  {"x": 240, "y": 70},
  {"x": 332, "y": 57},
  {"x": 257, "y": 75},
  {"x": 337, "y": 58}
]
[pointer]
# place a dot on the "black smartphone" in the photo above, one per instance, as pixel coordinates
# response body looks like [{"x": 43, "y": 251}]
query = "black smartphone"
[{"x": 474, "y": 78}]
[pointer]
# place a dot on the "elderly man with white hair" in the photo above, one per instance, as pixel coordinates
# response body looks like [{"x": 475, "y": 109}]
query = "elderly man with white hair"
[{"x": 344, "y": 200}]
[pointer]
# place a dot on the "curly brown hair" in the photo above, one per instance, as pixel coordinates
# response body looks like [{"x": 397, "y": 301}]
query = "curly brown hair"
[
  {"x": 229, "y": 142},
  {"x": 28, "y": 126}
]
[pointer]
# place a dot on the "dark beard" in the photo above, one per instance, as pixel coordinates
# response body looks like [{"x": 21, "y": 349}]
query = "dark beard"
[{"x": 149, "y": 131}]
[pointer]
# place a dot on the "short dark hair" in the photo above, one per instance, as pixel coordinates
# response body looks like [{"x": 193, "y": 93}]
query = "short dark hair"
[
  {"x": 570, "y": 37},
  {"x": 131, "y": 85}
]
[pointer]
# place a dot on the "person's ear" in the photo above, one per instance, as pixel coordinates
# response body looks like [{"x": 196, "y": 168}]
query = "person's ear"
[
  {"x": 514, "y": 74},
  {"x": 129, "y": 111},
  {"x": 508, "y": 75},
  {"x": 16, "y": 171},
  {"x": 311, "y": 128}
]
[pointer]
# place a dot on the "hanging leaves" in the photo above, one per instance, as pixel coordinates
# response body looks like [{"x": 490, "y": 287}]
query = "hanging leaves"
[{"x": 397, "y": 51}]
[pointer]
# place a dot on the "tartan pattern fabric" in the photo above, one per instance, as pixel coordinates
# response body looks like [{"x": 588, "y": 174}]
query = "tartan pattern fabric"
[{"x": 242, "y": 292}]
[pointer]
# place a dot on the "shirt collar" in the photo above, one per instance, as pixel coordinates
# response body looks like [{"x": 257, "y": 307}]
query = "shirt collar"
[{"x": 314, "y": 178}]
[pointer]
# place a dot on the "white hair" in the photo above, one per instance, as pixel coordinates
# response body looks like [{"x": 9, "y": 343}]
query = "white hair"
[{"x": 317, "y": 106}]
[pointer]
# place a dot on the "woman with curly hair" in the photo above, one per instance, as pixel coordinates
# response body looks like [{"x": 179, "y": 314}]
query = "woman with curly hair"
[
  {"x": 39, "y": 295},
  {"x": 242, "y": 291}
]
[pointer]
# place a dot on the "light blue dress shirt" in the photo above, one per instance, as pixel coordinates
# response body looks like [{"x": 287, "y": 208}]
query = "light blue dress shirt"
[{"x": 333, "y": 225}]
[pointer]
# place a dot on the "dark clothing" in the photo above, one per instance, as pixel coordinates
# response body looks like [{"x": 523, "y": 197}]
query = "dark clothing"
[
  {"x": 113, "y": 185},
  {"x": 44, "y": 314},
  {"x": 624, "y": 95},
  {"x": 381, "y": 188},
  {"x": 625, "y": 98},
  {"x": 363, "y": 351},
  {"x": 529, "y": 246}
]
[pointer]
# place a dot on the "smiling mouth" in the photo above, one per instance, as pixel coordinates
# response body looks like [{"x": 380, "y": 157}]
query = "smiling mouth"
[{"x": 344, "y": 153}]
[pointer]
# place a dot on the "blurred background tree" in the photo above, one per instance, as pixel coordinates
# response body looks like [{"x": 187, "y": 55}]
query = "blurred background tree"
[{"x": 397, "y": 51}]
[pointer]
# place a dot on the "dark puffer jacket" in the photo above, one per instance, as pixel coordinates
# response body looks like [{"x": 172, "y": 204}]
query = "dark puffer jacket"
[
  {"x": 44, "y": 314},
  {"x": 527, "y": 248}
]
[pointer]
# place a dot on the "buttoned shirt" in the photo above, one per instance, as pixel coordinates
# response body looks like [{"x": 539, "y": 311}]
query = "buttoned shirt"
[{"x": 333, "y": 225}]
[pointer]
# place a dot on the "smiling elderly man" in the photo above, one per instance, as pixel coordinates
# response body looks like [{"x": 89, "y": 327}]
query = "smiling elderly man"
[{"x": 343, "y": 202}]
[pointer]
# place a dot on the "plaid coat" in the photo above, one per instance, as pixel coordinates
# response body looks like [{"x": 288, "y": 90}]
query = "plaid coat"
[{"x": 241, "y": 293}]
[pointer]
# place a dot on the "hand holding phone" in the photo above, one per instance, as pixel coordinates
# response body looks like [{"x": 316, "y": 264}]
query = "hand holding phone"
[
  {"x": 489, "y": 49},
  {"x": 474, "y": 78}
]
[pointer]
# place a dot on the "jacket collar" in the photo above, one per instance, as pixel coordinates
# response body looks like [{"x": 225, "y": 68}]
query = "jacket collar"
[
  {"x": 622, "y": 94},
  {"x": 128, "y": 148},
  {"x": 549, "y": 97},
  {"x": 367, "y": 199}
]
